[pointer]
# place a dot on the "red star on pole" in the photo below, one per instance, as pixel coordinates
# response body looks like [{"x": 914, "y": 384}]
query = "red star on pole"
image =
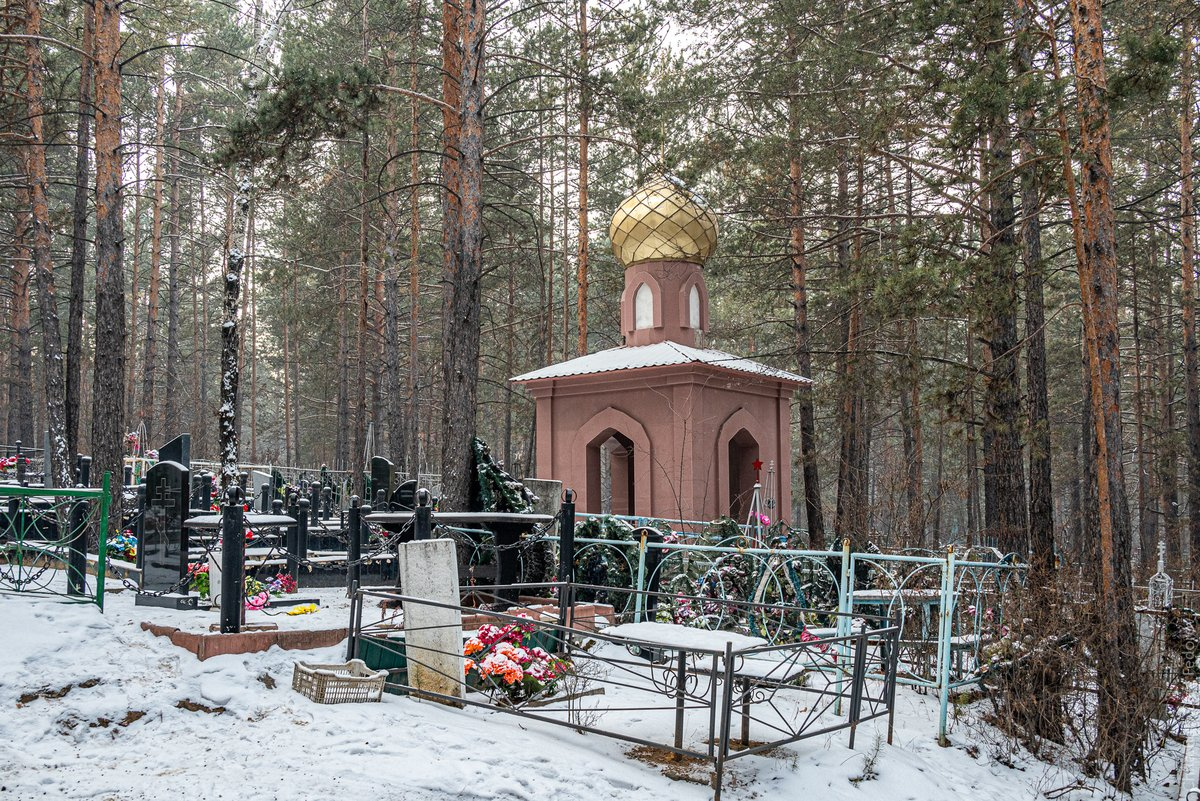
[{"x": 757, "y": 467}]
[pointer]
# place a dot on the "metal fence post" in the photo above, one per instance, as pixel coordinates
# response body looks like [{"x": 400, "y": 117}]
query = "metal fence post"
[
  {"x": 945, "y": 625},
  {"x": 293, "y": 533},
  {"x": 102, "y": 533},
  {"x": 566, "y": 557},
  {"x": 301, "y": 537},
  {"x": 77, "y": 554},
  {"x": 845, "y": 621},
  {"x": 354, "y": 546},
  {"x": 423, "y": 516},
  {"x": 233, "y": 561},
  {"x": 858, "y": 677},
  {"x": 639, "y": 599},
  {"x": 654, "y": 557},
  {"x": 355, "y": 618},
  {"x": 566, "y": 539}
]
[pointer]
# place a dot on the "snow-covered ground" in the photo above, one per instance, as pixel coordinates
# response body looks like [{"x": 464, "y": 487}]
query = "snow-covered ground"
[{"x": 141, "y": 719}]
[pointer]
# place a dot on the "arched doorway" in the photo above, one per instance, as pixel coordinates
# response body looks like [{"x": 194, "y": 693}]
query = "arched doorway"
[
  {"x": 742, "y": 454},
  {"x": 611, "y": 474}
]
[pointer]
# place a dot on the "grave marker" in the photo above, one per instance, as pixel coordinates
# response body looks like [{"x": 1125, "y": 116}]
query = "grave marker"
[
  {"x": 404, "y": 499},
  {"x": 262, "y": 490},
  {"x": 177, "y": 450},
  {"x": 383, "y": 474},
  {"x": 433, "y": 635},
  {"x": 162, "y": 545}
]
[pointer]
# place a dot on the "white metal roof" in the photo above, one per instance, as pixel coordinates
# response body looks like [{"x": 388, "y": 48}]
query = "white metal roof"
[{"x": 660, "y": 354}]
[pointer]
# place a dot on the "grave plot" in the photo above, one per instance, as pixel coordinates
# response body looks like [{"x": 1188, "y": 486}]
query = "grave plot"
[{"x": 701, "y": 695}]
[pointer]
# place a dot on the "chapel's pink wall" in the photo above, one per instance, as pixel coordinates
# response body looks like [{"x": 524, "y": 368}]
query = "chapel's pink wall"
[{"x": 680, "y": 419}]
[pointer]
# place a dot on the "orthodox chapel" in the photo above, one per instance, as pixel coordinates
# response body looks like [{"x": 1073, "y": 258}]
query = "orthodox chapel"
[{"x": 662, "y": 426}]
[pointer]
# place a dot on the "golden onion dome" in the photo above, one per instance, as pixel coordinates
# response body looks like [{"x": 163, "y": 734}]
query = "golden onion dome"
[{"x": 662, "y": 221}]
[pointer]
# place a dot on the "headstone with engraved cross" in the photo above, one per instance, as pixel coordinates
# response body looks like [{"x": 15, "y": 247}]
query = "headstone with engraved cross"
[{"x": 162, "y": 551}]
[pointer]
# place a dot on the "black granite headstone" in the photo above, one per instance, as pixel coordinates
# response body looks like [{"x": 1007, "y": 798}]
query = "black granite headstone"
[
  {"x": 162, "y": 548},
  {"x": 404, "y": 499},
  {"x": 177, "y": 450},
  {"x": 383, "y": 473}
]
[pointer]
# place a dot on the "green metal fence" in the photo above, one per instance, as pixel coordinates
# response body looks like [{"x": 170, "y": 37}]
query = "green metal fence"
[
  {"x": 53, "y": 542},
  {"x": 949, "y": 606}
]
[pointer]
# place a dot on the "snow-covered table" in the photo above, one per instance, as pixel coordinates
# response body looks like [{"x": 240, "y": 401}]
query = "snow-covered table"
[{"x": 685, "y": 640}]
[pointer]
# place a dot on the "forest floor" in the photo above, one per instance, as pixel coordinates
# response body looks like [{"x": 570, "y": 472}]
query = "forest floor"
[{"x": 93, "y": 707}]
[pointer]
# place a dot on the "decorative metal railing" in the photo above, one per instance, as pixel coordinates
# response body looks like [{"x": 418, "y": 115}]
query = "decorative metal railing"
[
  {"x": 949, "y": 609},
  {"x": 46, "y": 541},
  {"x": 707, "y": 692}
]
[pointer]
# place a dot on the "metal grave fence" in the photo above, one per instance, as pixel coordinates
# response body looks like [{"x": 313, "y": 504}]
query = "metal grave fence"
[
  {"x": 46, "y": 533},
  {"x": 949, "y": 609},
  {"x": 709, "y": 696}
]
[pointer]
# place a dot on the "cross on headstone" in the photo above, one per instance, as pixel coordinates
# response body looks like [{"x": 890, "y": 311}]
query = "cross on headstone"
[{"x": 1161, "y": 585}]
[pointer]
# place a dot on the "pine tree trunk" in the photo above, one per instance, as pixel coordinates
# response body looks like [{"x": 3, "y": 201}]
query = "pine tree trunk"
[
  {"x": 1168, "y": 457},
  {"x": 1187, "y": 244},
  {"x": 413, "y": 458},
  {"x": 585, "y": 110},
  {"x": 851, "y": 521},
  {"x": 1041, "y": 493},
  {"x": 1005, "y": 517},
  {"x": 1122, "y": 728},
  {"x": 135, "y": 263},
  {"x": 396, "y": 430},
  {"x": 171, "y": 424},
  {"x": 43, "y": 267},
  {"x": 79, "y": 233},
  {"x": 342, "y": 441},
  {"x": 150, "y": 354},
  {"x": 460, "y": 316},
  {"x": 108, "y": 383},
  {"x": 814, "y": 514},
  {"x": 358, "y": 452},
  {"x": 21, "y": 421}
]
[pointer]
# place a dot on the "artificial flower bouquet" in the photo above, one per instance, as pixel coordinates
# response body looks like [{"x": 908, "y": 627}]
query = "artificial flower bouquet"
[
  {"x": 282, "y": 584},
  {"x": 124, "y": 546},
  {"x": 199, "y": 579},
  {"x": 502, "y": 660}
]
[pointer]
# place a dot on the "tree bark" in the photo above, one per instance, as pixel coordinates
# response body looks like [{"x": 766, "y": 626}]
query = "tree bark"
[
  {"x": 108, "y": 383},
  {"x": 460, "y": 315},
  {"x": 359, "y": 453},
  {"x": 43, "y": 267},
  {"x": 813, "y": 512},
  {"x": 1005, "y": 517},
  {"x": 1041, "y": 504},
  {"x": 413, "y": 458},
  {"x": 585, "y": 110},
  {"x": 150, "y": 354},
  {"x": 171, "y": 424},
  {"x": 1187, "y": 244},
  {"x": 1121, "y": 726},
  {"x": 79, "y": 232},
  {"x": 851, "y": 521}
]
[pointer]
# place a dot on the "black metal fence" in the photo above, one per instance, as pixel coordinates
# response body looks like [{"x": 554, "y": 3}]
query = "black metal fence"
[{"x": 702, "y": 696}]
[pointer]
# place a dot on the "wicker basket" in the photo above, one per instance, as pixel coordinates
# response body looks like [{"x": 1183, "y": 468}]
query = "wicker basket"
[{"x": 344, "y": 683}]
